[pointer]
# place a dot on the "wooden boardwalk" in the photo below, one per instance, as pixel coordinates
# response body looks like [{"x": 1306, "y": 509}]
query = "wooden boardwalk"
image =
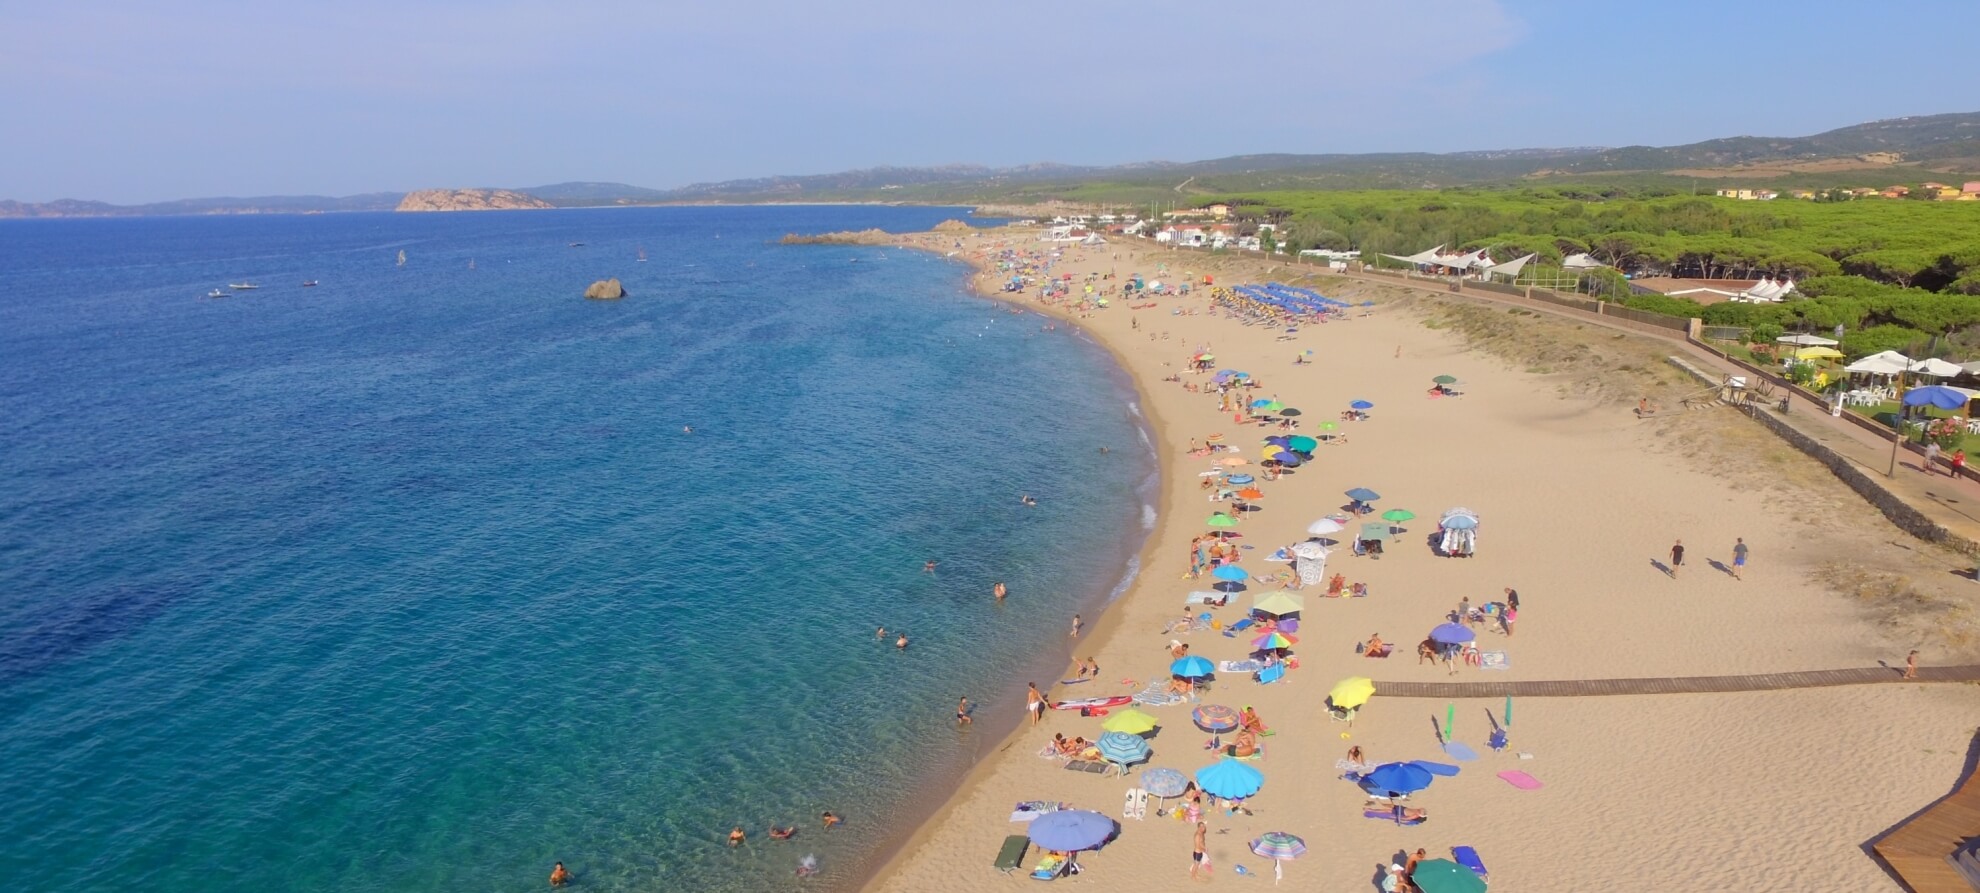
[
  {"x": 1929, "y": 849},
  {"x": 1577, "y": 688}
]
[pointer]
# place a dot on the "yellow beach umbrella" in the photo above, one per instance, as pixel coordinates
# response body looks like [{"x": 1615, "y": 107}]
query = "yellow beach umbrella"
[
  {"x": 1232, "y": 462},
  {"x": 1279, "y": 604},
  {"x": 1130, "y": 721},
  {"x": 1818, "y": 353},
  {"x": 1352, "y": 692}
]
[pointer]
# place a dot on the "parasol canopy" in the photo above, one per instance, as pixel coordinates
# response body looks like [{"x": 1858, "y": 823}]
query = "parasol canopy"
[
  {"x": 1130, "y": 722},
  {"x": 1325, "y": 526},
  {"x": 1230, "y": 779},
  {"x": 1445, "y": 876},
  {"x": 1398, "y": 515},
  {"x": 1164, "y": 783},
  {"x": 1122, "y": 748},
  {"x": 1452, "y": 634},
  {"x": 1363, "y": 494},
  {"x": 1071, "y": 830},
  {"x": 1214, "y": 718},
  {"x": 1352, "y": 692},
  {"x": 1402, "y": 778},
  {"x": 1192, "y": 667},
  {"x": 1279, "y": 603}
]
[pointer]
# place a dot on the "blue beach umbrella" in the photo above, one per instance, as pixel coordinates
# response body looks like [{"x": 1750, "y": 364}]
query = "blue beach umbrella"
[
  {"x": 1935, "y": 395},
  {"x": 1460, "y": 522},
  {"x": 1071, "y": 830},
  {"x": 1363, "y": 494},
  {"x": 1402, "y": 778},
  {"x": 1452, "y": 634},
  {"x": 1122, "y": 748},
  {"x": 1164, "y": 783},
  {"x": 1192, "y": 667},
  {"x": 1240, "y": 479},
  {"x": 1255, "y": 404},
  {"x": 1361, "y": 404},
  {"x": 1230, "y": 572},
  {"x": 1230, "y": 779},
  {"x": 1286, "y": 458}
]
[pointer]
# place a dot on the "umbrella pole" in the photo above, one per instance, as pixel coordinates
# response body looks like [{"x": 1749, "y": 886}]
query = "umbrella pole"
[{"x": 1897, "y": 432}]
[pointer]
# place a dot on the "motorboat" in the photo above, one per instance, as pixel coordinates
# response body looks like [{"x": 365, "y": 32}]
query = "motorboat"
[
  {"x": 216, "y": 293},
  {"x": 309, "y": 284},
  {"x": 242, "y": 286}
]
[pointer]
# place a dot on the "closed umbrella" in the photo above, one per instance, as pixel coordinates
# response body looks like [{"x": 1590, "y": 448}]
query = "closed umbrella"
[
  {"x": 1122, "y": 748},
  {"x": 1279, "y": 847},
  {"x": 1214, "y": 718},
  {"x": 1130, "y": 722},
  {"x": 1445, "y": 876},
  {"x": 1230, "y": 779},
  {"x": 1452, "y": 634},
  {"x": 1351, "y": 692},
  {"x": 1400, "y": 778},
  {"x": 1192, "y": 667},
  {"x": 1071, "y": 830}
]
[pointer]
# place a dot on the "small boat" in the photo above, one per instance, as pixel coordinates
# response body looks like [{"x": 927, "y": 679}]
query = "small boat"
[
  {"x": 402, "y": 257},
  {"x": 242, "y": 286},
  {"x": 577, "y": 244},
  {"x": 309, "y": 284},
  {"x": 642, "y": 254},
  {"x": 216, "y": 293},
  {"x": 470, "y": 263}
]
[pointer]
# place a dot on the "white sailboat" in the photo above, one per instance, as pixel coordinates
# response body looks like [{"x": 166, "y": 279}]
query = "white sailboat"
[
  {"x": 402, "y": 257},
  {"x": 242, "y": 286},
  {"x": 642, "y": 254}
]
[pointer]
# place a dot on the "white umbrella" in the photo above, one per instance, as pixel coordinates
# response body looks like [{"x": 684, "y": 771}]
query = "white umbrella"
[
  {"x": 1936, "y": 367},
  {"x": 1888, "y": 362},
  {"x": 1325, "y": 526}
]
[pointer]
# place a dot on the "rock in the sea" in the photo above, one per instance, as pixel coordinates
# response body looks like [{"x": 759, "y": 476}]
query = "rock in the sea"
[
  {"x": 469, "y": 200},
  {"x": 606, "y": 290},
  {"x": 862, "y": 237}
]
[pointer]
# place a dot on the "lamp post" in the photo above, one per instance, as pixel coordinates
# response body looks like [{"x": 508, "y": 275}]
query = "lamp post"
[{"x": 1898, "y": 436}]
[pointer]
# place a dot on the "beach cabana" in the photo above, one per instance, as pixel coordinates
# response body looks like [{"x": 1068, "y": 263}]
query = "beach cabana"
[
  {"x": 1457, "y": 533},
  {"x": 1310, "y": 562}
]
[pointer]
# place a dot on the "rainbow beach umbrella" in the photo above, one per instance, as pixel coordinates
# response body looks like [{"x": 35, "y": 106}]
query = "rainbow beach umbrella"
[{"x": 1274, "y": 639}]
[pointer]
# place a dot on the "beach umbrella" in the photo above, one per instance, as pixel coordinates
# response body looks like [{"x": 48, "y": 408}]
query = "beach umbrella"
[
  {"x": 1444, "y": 379},
  {"x": 1241, "y": 479},
  {"x": 1363, "y": 494},
  {"x": 1214, "y": 718},
  {"x": 1452, "y": 634},
  {"x": 1260, "y": 404},
  {"x": 1402, "y": 778},
  {"x": 1230, "y": 779},
  {"x": 1351, "y": 692},
  {"x": 1232, "y": 461},
  {"x": 1460, "y": 522},
  {"x": 1230, "y": 572},
  {"x": 1937, "y": 368},
  {"x": 1221, "y": 520},
  {"x": 1445, "y": 876},
  {"x": 1302, "y": 444},
  {"x": 1279, "y": 847},
  {"x": 1251, "y": 493},
  {"x": 1278, "y": 440},
  {"x": 1271, "y": 406},
  {"x": 1311, "y": 550},
  {"x": 1130, "y": 722},
  {"x": 1325, "y": 526},
  {"x": 1122, "y": 748},
  {"x": 1398, "y": 515},
  {"x": 1071, "y": 830},
  {"x": 1291, "y": 413},
  {"x": 1936, "y": 395},
  {"x": 1329, "y": 426},
  {"x": 1818, "y": 353},
  {"x": 1279, "y": 603},
  {"x": 1164, "y": 783},
  {"x": 1361, "y": 404},
  {"x": 1274, "y": 639},
  {"x": 1284, "y": 458},
  {"x": 1288, "y": 624},
  {"x": 1191, "y": 667}
]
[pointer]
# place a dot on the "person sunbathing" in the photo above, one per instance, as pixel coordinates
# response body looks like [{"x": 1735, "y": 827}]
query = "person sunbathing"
[
  {"x": 1335, "y": 585},
  {"x": 1412, "y": 814},
  {"x": 1247, "y": 744},
  {"x": 1375, "y": 647},
  {"x": 1249, "y": 721},
  {"x": 1359, "y": 590},
  {"x": 1426, "y": 650},
  {"x": 1060, "y": 744}
]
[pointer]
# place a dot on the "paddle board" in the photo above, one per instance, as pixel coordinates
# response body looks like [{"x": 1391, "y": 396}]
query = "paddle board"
[{"x": 1089, "y": 703}]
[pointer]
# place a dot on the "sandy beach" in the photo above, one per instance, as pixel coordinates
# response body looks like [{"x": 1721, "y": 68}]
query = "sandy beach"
[{"x": 1579, "y": 504}]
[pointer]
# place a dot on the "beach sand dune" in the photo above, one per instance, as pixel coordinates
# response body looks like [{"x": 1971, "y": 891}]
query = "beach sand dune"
[{"x": 1580, "y": 503}]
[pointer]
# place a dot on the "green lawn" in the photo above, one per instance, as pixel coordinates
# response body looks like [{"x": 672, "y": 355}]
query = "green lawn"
[{"x": 1882, "y": 413}]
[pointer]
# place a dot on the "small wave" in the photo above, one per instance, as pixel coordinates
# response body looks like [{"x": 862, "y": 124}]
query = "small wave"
[
  {"x": 1134, "y": 409},
  {"x": 1127, "y": 579},
  {"x": 1147, "y": 516},
  {"x": 1146, "y": 441}
]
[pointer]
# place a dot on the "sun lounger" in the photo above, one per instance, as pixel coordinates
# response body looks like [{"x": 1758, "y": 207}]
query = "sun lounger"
[
  {"x": 1048, "y": 869},
  {"x": 1094, "y": 766},
  {"x": 1271, "y": 674},
  {"x": 1139, "y": 798},
  {"x": 1468, "y": 857},
  {"x": 1011, "y": 855}
]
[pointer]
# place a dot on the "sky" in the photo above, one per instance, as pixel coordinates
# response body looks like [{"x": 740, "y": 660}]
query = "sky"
[{"x": 135, "y": 102}]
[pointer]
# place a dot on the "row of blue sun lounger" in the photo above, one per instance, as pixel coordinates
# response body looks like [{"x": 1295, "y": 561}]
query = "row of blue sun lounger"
[{"x": 1304, "y": 300}]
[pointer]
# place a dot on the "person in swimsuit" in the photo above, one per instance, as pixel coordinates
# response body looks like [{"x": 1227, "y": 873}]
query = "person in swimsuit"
[
  {"x": 558, "y": 876},
  {"x": 999, "y": 591},
  {"x": 777, "y": 833},
  {"x": 830, "y": 819},
  {"x": 901, "y": 643},
  {"x": 1076, "y": 624},
  {"x": 736, "y": 837},
  {"x": 962, "y": 712},
  {"x": 1034, "y": 701},
  {"x": 1196, "y": 859}
]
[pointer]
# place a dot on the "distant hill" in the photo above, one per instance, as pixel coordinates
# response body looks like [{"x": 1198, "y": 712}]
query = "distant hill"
[{"x": 1895, "y": 150}]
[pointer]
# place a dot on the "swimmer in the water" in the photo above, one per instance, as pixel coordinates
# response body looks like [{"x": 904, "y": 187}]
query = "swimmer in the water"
[
  {"x": 777, "y": 833},
  {"x": 687, "y": 429},
  {"x": 736, "y": 837},
  {"x": 830, "y": 819},
  {"x": 807, "y": 866},
  {"x": 558, "y": 876}
]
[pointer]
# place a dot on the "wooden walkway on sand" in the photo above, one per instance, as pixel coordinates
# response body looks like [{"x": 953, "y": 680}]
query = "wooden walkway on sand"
[{"x": 1577, "y": 688}]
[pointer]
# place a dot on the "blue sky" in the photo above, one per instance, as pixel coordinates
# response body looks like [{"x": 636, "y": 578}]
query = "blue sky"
[{"x": 130, "y": 102}]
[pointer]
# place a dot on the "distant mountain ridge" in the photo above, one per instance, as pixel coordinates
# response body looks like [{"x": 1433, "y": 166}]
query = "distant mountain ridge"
[{"x": 1949, "y": 142}]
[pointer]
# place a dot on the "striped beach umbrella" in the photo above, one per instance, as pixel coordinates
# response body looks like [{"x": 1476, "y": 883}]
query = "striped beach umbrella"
[
  {"x": 1214, "y": 718},
  {"x": 1274, "y": 639},
  {"x": 1122, "y": 748},
  {"x": 1279, "y": 847}
]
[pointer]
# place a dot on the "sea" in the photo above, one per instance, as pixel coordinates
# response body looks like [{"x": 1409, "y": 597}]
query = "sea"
[{"x": 435, "y": 574}]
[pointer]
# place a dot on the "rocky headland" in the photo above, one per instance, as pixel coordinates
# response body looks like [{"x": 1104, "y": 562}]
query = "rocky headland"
[{"x": 469, "y": 200}]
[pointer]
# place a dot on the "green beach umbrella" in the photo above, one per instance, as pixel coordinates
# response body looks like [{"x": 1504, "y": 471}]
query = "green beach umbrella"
[
  {"x": 1398, "y": 515},
  {"x": 1221, "y": 520},
  {"x": 1302, "y": 444},
  {"x": 1130, "y": 721},
  {"x": 1445, "y": 379},
  {"x": 1508, "y": 711},
  {"x": 1445, "y": 876},
  {"x": 1329, "y": 426},
  {"x": 1450, "y": 721}
]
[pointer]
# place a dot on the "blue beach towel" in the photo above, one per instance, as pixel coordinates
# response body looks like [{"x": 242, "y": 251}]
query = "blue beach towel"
[{"x": 1460, "y": 751}]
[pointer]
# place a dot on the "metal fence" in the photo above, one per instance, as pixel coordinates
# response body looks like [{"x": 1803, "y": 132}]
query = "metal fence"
[{"x": 1676, "y": 324}]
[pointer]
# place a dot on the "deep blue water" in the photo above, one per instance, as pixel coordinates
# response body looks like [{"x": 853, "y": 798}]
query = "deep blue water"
[{"x": 413, "y": 581}]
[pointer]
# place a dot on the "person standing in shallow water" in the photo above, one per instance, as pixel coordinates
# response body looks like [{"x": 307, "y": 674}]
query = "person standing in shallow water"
[
  {"x": 1075, "y": 626},
  {"x": 999, "y": 591},
  {"x": 558, "y": 876}
]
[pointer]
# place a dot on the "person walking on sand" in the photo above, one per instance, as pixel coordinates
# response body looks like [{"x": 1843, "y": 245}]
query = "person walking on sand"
[
  {"x": 1197, "y": 857},
  {"x": 1677, "y": 557},
  {"x": 1739, "y": 557},
  {"x": 999, "y": 591},
  {"x": 1075, "y": 627},
  {"x": 1911, "y": 665}
]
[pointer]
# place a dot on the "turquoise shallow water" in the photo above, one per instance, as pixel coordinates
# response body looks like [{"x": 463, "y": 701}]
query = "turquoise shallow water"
[{"x": 412, "y": 581}]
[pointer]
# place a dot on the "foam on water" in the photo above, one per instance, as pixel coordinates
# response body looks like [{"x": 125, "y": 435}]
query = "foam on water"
[{"x": 413, "y": 581}]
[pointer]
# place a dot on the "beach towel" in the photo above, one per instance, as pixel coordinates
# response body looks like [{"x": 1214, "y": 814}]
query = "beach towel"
[
  {"x": 1468, "y": 857},
  {"x": 1445, "y": 769},
  {"x": 1460, "y": 751},
  {"x": 1521, "y": 780},
  {"x": 1387, "y": 815},
  {"x": 1127, "y": 808},
  {"x": 1239, "y": 666},
  {"x": 1494, "y": 660},
  {"x": 1271, "y": 674}
]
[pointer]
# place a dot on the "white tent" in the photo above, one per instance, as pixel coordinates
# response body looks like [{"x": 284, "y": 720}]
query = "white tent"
[
  {"x": 1807, "y": 340},
  {"x": 1581, "y": 262},
  {"x": 1510, "y": 268},
  {"x": 1888, "y": 362},
  {"x": 1937, "y": 368}
]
